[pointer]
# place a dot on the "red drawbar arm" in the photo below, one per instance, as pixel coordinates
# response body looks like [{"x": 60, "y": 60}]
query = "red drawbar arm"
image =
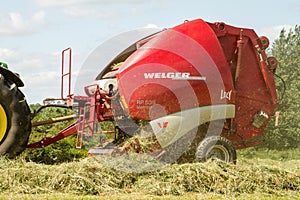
[{"x": 72, "y": 129}]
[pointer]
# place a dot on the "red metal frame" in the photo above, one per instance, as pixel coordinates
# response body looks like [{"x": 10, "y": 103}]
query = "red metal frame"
[
  {"x": 66, "y": 73},
  {"x": 61, "y": 135},
  {"x": 86, "y": 124}
]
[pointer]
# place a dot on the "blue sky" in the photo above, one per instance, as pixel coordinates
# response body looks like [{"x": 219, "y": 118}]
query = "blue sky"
[{"x": 33, "y": 32}]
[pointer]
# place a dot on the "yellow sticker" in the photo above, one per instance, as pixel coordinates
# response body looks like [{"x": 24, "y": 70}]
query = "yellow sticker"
[{"x": 124, "y": 102}]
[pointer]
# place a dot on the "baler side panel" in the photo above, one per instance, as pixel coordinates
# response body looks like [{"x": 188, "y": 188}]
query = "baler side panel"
[{"x": 254, "y": 84}]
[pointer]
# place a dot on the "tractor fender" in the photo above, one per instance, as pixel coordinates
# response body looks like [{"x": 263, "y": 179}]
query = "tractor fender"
[{"x": 9, "y": 75}]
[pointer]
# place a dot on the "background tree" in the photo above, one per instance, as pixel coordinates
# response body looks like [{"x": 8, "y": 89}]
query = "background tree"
[{"x": 287, "y": 51}]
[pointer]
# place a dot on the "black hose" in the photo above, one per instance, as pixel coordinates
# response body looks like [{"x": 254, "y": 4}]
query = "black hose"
[{"x": 284, "y": 86}]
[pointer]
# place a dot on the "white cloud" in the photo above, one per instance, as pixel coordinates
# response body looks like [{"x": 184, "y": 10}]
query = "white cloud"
[
  {"x": 61, "y": 3},
  {"x": 92, "y": 8},
  {"x": 273, "y": 32},
  {"x": 151, "y": 26},
  {"x": 7, "y": 53},
  {"x": 19, "y": 61},
  {"x": 15, "y": 23},
  {"x": 42, "y": 79},
  {"x": 39, "y": 17},
  {"x": 88, "y": 11},
  {"x": 50, "y": 3}
]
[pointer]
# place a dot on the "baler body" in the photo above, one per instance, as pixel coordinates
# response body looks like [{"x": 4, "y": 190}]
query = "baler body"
[{"x": 196, "y": 73}]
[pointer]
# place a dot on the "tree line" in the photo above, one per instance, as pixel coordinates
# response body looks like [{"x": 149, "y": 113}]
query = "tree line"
[{"x": 287, "y": 51}]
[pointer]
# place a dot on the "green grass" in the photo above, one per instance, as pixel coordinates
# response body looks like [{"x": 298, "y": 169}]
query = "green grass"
[
  {"x": 266, "y": 175},
  {"x": 264, "y": 153}
]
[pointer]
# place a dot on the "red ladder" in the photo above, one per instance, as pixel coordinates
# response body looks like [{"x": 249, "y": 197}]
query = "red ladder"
[{"x": 87, "y": 125}]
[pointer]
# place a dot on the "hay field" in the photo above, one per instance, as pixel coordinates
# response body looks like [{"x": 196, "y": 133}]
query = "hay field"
[{"x": 92, "y": 178}]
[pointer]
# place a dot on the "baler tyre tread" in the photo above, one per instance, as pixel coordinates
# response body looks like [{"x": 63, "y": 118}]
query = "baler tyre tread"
[
  {"x": 215, "y": 142},
  {"x": 18, "y": 117}
]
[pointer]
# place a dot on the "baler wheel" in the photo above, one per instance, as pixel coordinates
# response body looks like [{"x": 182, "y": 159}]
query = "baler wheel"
[
  {"x": 15, "y": 122},
  {"x": 215, "y": 147}
]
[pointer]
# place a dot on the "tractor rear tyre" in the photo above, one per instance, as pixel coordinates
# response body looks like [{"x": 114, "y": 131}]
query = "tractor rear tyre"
[
  {"x": 216, "y": 147},
  {"x": 15, "y": 122}
]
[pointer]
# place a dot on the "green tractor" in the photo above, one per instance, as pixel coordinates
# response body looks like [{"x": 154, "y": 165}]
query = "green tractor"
[{"x": 15, "y": 117}]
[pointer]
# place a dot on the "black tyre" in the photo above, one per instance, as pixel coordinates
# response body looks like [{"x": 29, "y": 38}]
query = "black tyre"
[
  {"x": 15, "y": 123},
  {"x": 215, "y": 147}
]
